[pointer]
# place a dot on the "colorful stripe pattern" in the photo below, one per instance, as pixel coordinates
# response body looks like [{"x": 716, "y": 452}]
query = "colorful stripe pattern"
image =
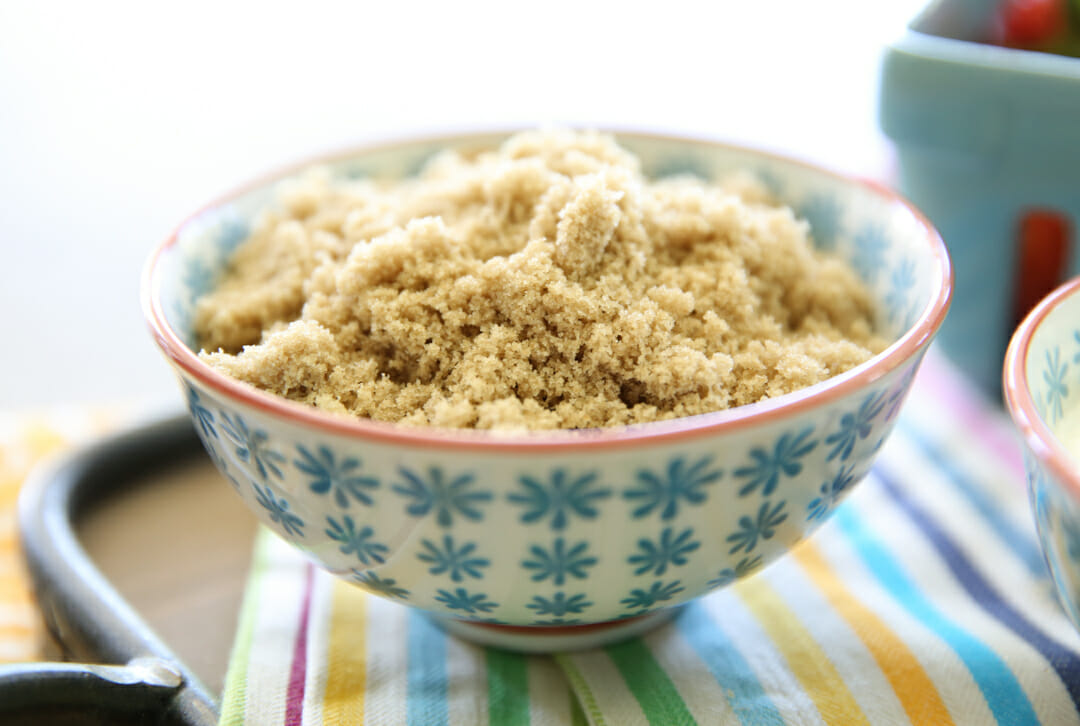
[{"x": 923, "y": 601}]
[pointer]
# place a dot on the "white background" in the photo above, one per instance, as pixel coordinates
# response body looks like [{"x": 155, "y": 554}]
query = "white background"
[{"x": 118, "y": 119}]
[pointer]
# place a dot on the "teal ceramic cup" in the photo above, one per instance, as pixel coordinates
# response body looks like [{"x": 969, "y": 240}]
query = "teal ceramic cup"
[{"x": 988, "y": 147}]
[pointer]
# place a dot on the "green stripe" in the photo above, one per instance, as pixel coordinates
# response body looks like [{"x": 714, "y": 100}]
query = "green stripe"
[
  {"x": 234, "y": 697},
  {"x": 585, "y": 698},
  {"x": 508, "y": 688},
  {"x": 577, "y": 716},
  {"x": 649, "y": 683}
]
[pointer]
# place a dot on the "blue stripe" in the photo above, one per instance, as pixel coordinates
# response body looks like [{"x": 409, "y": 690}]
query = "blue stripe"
[
  {"x": 1019, "y": 540},
  {"x": 747, "y": 698},
  {"x": 999, "y": 686},
  {"x": 1064, "y": 662},
  {"x": 426, "y": 701}
]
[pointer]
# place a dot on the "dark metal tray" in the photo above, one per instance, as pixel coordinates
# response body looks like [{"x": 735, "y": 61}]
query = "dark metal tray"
[{"x": 143, "y": 508}]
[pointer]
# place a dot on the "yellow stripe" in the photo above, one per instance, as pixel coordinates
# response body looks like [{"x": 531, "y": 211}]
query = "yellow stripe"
[
  {"x": 16, "y": 630},
  {"x": 913, "y": 686},
  {"x": 346, "y": 665},
  {"x": 14, "y": 587},
  {"x": 811, "y": 666},
  {"x": 15, "y": 650},
  {"x": 20, "y": 630},
  {"x": 42, "y": 440},
  {"x": 9, "y": 495}
]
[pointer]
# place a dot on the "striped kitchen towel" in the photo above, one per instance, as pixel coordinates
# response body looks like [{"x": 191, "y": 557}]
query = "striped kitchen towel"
[{"x": 924, "y": 600}]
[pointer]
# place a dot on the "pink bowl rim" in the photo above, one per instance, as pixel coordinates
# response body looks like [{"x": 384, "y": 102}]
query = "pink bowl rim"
[
  {"x": 899, "y": 352},
  {"x": 1034, "y": 431}
]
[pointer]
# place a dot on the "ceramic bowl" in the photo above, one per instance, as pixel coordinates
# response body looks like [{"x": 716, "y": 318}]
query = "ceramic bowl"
[
  {"x": 563, "y": 539},
  {"x": 988, "y": 147},
  {"x": 1042, "y": 392}
]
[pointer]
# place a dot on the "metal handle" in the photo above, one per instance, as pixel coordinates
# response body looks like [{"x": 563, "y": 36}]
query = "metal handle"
[
  {"x": 45, "y": 692},
  {"x": 82, "y": 610}
]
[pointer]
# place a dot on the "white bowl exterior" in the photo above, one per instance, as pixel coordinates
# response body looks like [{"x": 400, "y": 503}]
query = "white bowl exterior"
[
  {"x": 1057, "y": 519},
  {"x": 648, "y": 525},
  {"x": 652, "y": 525},
  {"x": 1053, "y": 381}
]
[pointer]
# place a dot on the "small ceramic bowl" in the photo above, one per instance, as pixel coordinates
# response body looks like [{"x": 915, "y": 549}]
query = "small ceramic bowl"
[
  {"x": 1042, "y": 392},
  {"x": 563, "y": 539}
]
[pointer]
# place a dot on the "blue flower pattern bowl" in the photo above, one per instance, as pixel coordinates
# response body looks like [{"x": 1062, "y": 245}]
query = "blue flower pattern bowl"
[
  {"x": 573, "y": 538},
  {"x": 1042, "y": 392}
]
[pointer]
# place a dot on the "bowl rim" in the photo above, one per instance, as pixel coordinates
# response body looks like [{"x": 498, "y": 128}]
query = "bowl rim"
[
  {"x": 894, "y": 356},
  {"x": 1038, "y": 437}
]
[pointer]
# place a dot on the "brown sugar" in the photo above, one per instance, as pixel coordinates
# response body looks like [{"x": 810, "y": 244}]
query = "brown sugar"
[{"x": 544, "y": 284}]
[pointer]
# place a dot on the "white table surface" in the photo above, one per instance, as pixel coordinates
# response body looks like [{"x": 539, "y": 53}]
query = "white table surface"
[{"x": 118, "y": 119}]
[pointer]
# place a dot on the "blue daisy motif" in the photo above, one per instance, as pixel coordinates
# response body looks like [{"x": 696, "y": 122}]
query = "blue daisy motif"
[
  {"x": 562, "y": 497},
  {"x": 559, "y": 562},
  {"x": 354, "y": 541},
  {"x": 1037, "y": 484},
  {"x": 868, "y": 257},
  {"x": 658, "y": 592},
  {"x": 199, "y": 275},
  {"x": 1056, "y": 388},
  {"x": 762, "y": 526},
  {"x": 772, "y": 182},
  {"x": 353, "y": 171},
  {"x": 678, "y": 483},
  {"x": 420, "y": 162},
  {"x": 458, "y": 562},
  {"x": 252, "y": 446},
  {"x": 830, "y": 493},
  {"x": 667, "y": 550},
  {"x": 387, "y": 587},
  {"x": 444, "y": 497},
  {"x": 855, "y": 426},
  {"x": 901, "y": 282},
  {"x": 197, "y": 279},
  {"x": 896, "y": 398},
  {"x": 203, "y": 416},
  {"x": 728, "y": 575},
  {"x": 559, "y": 606},
  {"x": 822, "y": 213},
  {"x": 784, "y": 460},
  {"x": 278, "y": 509},
  {"x": 222, "y": 465},
  {"x": 231, "y": 232},
  {"x": 329, "y": 475},
  {"x": 462, "y": 599}
]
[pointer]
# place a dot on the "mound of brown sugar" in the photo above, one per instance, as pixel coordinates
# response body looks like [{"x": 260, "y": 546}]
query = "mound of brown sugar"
[{"x": 545, "y": 284}]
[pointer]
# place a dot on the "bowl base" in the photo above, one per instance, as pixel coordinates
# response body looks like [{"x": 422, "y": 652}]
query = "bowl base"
[{"x": 554, "y": 638}]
